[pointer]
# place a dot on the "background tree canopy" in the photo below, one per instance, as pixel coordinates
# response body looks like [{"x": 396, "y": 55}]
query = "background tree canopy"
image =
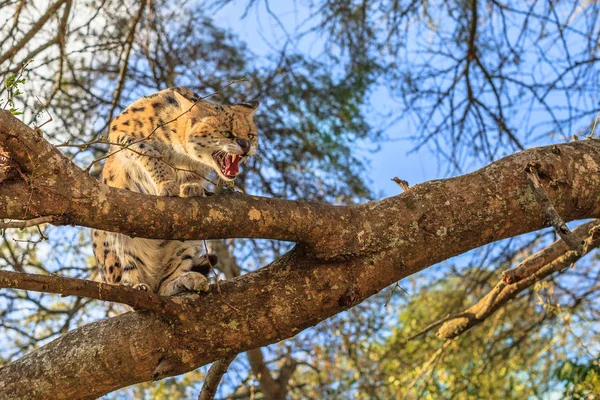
[{"x": 460, "y": 82}]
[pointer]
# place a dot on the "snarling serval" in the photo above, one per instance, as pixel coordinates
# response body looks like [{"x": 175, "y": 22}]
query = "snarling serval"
[{"x": 166, "y": 144}]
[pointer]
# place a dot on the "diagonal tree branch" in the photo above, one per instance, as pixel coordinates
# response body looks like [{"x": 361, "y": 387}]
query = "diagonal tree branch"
[
  {"x": 213, "y": 378},
  {"x": 125, "y": 64},
  {"x": 534, "y": 263},
  {"x": 344, "y": 255},
  {"x": 556, "y": 257}
]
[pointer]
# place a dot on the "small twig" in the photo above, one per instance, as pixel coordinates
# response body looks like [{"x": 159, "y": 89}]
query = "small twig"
[
  {"x": 86, "y": 145},
  {"x": 217, "y": 279},
  {"x": 396, "y": 285},
  {"x": 49, "y": 219},
  {"x": 440, "y": 322},
  {"x": 47, "y": 112},
  {"x": 552, "y": 216},
  {"x": 42, "y": 236},
  {"x": 213, "y": 378},
  {"x": 591, "y": 135},
  {"x": 401, "y": 182}
]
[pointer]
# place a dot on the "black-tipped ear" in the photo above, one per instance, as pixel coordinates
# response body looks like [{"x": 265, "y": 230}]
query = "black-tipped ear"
[{"x": 253, "y": 104}]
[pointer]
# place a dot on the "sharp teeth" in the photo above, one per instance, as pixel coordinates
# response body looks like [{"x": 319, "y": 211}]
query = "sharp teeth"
[{"x": 234, "y": 157}]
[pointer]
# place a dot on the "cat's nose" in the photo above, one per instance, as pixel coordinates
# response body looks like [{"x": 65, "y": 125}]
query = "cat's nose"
[{"x": 245, "y": 145}]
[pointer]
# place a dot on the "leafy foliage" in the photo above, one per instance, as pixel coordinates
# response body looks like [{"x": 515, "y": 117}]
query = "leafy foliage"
[
  {"x": 11, "y": 85},
  {"x": 582, "y": 381}
]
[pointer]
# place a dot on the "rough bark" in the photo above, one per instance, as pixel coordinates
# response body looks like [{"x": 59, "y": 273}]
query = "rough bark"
[
  {"x": 213, "y": 378},
  {"x": 271, "y": 388},
  {"x": 137, "y": 299},
  {"x": 343, "y": 256}
]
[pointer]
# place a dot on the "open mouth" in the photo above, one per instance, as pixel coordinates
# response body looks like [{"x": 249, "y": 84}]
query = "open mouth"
[{"x": 228, "y": 164}]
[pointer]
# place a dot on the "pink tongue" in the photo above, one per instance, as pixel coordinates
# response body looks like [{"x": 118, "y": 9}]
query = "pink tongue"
[{"x": 231, "y": 168}]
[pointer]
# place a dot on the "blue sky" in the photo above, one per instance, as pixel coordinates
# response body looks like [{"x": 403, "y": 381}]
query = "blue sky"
[{"x": 263, "y": 34}]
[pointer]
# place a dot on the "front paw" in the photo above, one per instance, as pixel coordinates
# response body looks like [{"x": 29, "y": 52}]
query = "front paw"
[
  {"x": 189, "y": 281},
  {"x": 191, "y": 190},
  {"x": 193, "y": 282},
  {"x": 168, "y": 188},
  {"x": 142, "y": 286}
]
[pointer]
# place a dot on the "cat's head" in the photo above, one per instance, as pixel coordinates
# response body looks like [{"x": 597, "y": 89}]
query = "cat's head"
[{"x": 222, "y": 137}]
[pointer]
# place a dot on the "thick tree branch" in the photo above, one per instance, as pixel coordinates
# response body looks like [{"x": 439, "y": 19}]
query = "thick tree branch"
[
  {"x": 93, "y": 290},
  {"x": 57, "y": 187},
  {"x": 346, "y": 254}
]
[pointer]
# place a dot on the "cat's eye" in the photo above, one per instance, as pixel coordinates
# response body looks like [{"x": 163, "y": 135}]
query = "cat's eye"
[
  {"x": 251, "y": 136},
  {"x": 228, "y": 134}
]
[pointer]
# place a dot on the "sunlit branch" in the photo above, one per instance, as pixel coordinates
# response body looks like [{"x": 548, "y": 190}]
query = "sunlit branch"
[{"x": 555, "y": 258}]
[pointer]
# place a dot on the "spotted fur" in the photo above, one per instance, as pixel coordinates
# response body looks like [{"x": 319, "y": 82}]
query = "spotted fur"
[{"x": 166, "y": 144}]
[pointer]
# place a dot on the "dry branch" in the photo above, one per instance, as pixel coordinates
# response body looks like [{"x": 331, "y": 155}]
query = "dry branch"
[
  {"x": 535, "y": 262},
  {"x": 32, "y": 32},
  {"x": 213, "y": 378},
  {"x": 49, "y": 219},
  {"x": 552, "y": 216},
  {"x": 556, "y": 257}
]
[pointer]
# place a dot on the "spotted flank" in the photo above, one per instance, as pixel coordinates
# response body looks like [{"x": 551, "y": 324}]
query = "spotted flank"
[{"x": 168, "y": 144}]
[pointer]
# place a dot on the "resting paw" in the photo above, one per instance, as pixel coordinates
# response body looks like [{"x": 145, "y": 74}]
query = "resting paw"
[
  {"x": 189, "y": 281},
  {"x": 142, "y": 286}
]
